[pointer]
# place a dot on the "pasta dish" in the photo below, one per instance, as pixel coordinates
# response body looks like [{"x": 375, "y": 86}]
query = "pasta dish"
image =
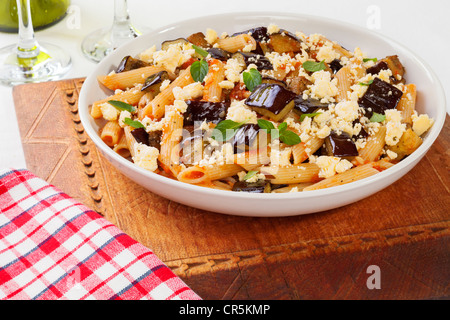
[{"x": 264, "y": 110}]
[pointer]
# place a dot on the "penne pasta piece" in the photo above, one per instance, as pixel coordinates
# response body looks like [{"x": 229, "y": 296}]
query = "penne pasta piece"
[
  {"x": 129, "y": 139},
  {"x": 212, "y": 91},
  {"x": 170, "y": 143},
  {"x": 192, "y": 175},
  {"x": 236, "y": 43},
  {"x": 111, "y": 133},
  {"x": 122, "y": 147},
  {"x": 155, "y": 109},
  {"x": 302, "y": 151},
  {"x": 407, "y": 104},
  {"x": 374, "y": 146},
  {"x": 298, "y": 187},
  {"x": 344, "y": 83},
  {"x": 307, "y": 172},
  {"x": 128, "y": 79},
  {"x": 218, "y": 172},
  {"x": 131, "y": 97},
  {"x": 351, "y": 175}
]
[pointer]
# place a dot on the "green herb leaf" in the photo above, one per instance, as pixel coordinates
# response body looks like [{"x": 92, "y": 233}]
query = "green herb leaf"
[
  {"x": 366, "y": 84},
  {"x": 226, "y": 130},
  {"x": 200, "y": 51},
  {"x": 122, "y": 106},
  {"x": 264, "y": 124},
  {"x": 370, "y": 59},
  {"x": 290, "y": 138},
  {"x": 312, "y": 66},
  {"x": 252, "y": 79},
  {"x": 250, "y": 175},
  {"x": 309, "y": 115},
  {"x": 199, "y": 70},
  {"x": 282, "y": 127},
  {"x": 376, "y": 117},
  {"x": 133, "y": 123}
]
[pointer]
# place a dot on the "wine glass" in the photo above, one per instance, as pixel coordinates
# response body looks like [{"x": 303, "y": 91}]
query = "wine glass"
[
  {"x": 30, "y": 61},
  {"x": 102, "y": 42}
]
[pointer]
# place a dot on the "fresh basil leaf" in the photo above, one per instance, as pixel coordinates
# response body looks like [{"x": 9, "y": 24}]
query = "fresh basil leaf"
[
  {"x": 290, "y": 138},
  {"x": 376, "y": 117},
  {"x": 264, "y": 124},
  {"x": 366, "y": 84},
  {"x": 122, "y": 106},
  {"x": 282, "y": 127},
  {"x": 309, "y": 115},
  {"x": 226, "y": 130},
  {"x": 250, "y": 175},
  {"x": 312, "y": 66},
  {"x": 252, "y": 79},
  {"x": 199, "y": 70},
  {"x": 370, "y": 59},
  {"x": 133, "y": 123},
  {"x": 200, "y": 51}
]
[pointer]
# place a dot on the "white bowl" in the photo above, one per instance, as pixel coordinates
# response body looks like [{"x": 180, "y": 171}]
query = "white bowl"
[{"x": 431, "y": 100}]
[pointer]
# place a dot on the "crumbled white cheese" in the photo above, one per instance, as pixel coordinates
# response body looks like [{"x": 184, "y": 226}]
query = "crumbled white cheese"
[
  {"x": 391, "y": 154},
  {"x": 191, "y": 91},
  {"x": 327, "y": 53},
  {"x": 233, "y": 70},
  {"x": 109, "y": 112},
  {"x": 147, "y": 55},
  {"x": 330, "y": 166},
  {"x": 394, "y": 127},
  {"x": 173, "y": 57},
  {"x": 421, "y": 123},
  {"x": 164, "y": 85},
  {"x": 273, "y": 28},
  {"x": 180, "y": 106},
  {"x": 123, "y": 115},
  {"x": 211, "y": 36},
  {"x": 146, "y": 157},
  {"x": 324, "y": 88},
  {"x": 239, "y": 112},
  {"x": 226, "y": 84},
  {"x": 347, "y": 110}
]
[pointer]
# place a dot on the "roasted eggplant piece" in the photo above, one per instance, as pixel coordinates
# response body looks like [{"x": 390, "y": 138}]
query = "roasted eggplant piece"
[
  {"x": 199, "y": 40},
  {"x": 248, "y": 58},
  {"x": 180, "y": 41},
  {"x": 153, "y": 83},
  {"x": 272, "y": 101},
  {"x": 269, "y": 79},
  {"x": 152, "y": 139},
  {"x": 262, "y": 38},
  {"x": 255, "y": 187},
  {"x": 245, "y": 137},
  {"x": 259, "y": 34},
  {"x": 393, "y": 63},
  {"x": 340, "y": 145},
  {"x": 285, "y": 41},
  {"x": 335, "y": 65},
  {"x": 381, "y": 65},
  {"x": 298, "y": 84},
  {"x": 219, "y": 54},
  {"x": 214, "y": 112},
  {"x": 129, "y": 63},
  {"x": 303, "y": 106},
  {"x": 379, "y": 97}
]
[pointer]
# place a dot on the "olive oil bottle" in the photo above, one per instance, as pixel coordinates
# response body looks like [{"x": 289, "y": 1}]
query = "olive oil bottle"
[{"x": 43, "y": 12}]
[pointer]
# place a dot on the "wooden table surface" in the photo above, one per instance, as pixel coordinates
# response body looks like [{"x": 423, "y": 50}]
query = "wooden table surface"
[{"x": 403, "y": 230}]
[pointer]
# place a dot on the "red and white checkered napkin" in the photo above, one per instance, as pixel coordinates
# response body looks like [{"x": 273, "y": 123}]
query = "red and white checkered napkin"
[{"x": 52, "y": 247}]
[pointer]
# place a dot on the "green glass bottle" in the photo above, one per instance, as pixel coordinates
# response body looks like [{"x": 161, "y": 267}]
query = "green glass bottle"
[{"x": 43, "y": 12}]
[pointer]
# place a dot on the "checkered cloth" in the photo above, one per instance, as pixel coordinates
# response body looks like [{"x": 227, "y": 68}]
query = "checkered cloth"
[{"x": 52, "y": 247}]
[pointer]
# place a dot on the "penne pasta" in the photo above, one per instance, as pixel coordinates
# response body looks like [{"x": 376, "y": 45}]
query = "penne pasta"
[
  {"x": 128, "y": 79},
  {"x": 307, "y": 172},
  {"x": 155, "y": 109},
  {"x": 236, "y": 43},
  {"x": 407, "y": 104},
  {"x": 349, "y": 176},
  {"x": 212, "y": 91},
  {"x": 111, "y": 133},
  {"x": 122, "y": 147},
  {"x": 374, "y": 146}
]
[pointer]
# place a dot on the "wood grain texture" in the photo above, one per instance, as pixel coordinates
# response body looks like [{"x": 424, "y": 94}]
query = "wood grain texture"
[{"x": 404, "y": 229}]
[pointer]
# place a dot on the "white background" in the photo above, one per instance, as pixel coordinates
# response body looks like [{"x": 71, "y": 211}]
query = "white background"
[{"x": 422, "y": 26}]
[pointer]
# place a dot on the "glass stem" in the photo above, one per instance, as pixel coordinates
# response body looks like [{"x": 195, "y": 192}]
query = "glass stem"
[
  {"x": 27, "y": 46},
  {"x": 122, "y": 22}
]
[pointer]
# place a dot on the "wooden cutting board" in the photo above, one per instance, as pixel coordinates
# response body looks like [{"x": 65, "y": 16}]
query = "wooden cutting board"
[{"x": 404, "y": 230}]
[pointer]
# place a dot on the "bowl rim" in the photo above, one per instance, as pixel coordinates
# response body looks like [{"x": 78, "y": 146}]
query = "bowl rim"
[{"x": 400, "y": 168}]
